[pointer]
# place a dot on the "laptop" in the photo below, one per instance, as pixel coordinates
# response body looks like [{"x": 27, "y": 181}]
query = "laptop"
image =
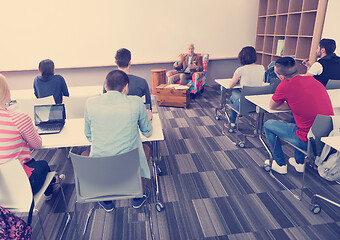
[{"x": 49, "y": 118}]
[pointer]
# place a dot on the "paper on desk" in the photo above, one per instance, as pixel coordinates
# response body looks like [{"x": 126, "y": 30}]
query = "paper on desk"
[{"x": 177, "y": 86}]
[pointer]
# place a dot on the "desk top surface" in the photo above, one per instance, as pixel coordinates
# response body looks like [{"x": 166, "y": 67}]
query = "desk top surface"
[
  {"x": 73, "y": 135},
  {"x": 333, "y": 141},
  {"x": 263, "y": 100},
  {"x": 225, "y": 83}
]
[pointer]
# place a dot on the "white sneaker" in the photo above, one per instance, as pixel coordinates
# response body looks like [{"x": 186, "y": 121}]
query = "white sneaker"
[
  {"x": 280, "y": 169},
  {"x": 299, "y": 167}
]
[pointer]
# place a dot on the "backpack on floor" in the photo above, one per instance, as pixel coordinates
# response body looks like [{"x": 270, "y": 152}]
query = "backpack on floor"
[
  {"x": 329, "y": 161},
  {"x": 13, "y": 227}
]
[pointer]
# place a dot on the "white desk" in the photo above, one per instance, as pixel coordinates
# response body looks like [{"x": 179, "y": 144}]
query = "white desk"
[
  {"x": 333, "y": 141},
  {"x": 225, "y": 83},
  {"x": 73, "y": 91},
  {"x": 73, "y": 135},
  {"x": 263, "y": 100}
]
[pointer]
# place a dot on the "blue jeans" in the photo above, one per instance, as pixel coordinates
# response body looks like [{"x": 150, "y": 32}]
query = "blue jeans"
[
  {"x": 234, "y": 100},
  {"x": 287, "y": 131}
]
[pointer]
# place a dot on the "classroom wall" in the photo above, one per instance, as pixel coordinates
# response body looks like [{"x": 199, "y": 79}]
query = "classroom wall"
[{"x": 96, "y": 75}]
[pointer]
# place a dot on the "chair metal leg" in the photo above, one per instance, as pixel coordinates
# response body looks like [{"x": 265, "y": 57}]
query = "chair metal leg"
[
  {"x": 41, "y": 224},
  {"x": 67, "y": 212},
  {"x": 76, "y": 216}
]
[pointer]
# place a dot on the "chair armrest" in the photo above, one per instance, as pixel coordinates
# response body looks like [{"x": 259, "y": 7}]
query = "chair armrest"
[
  {"x": 171, "y": 73},
  {"x": 197, "y": 75}
]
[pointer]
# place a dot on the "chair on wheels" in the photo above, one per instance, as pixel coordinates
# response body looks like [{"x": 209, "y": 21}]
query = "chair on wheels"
[
  {"x": 18, "y": 197},
  {"x": 198, "y": 78},
  {"x": 321, "y": 127},
  {"x": 333, "y": 84},
  {"x": 105, "y": 179},
  {"x": 245, "y": 108}
]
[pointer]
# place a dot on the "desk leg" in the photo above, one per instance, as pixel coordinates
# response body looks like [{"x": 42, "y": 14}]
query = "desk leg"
[
  {"x": 260, "y": 120},
  {"x": 222, "y": 104},
  {"x": 156, "y": 170}
]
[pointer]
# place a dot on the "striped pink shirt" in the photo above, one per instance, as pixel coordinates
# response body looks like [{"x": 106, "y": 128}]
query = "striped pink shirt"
[{"x": 17, "y": 136}]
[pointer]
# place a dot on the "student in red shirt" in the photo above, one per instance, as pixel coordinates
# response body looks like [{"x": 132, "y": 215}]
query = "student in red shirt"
[{"x": 306, "y": 98}]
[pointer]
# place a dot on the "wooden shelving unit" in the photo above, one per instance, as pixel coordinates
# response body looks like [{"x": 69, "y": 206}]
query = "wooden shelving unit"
[{"x": 298, "y": 22}]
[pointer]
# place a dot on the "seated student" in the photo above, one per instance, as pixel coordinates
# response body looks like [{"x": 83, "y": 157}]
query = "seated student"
[
  {"x": 298, "y": 94},
  {"x": 328, "y": 65},
  {"x": 249, "y": 74},
  {"x": 17, "y": 136},
  {"x": 189, "y": 64},
  {"x": 137, "y": 86},
  {"x": 112, "y": 123},
  {"x": 48, "y": 83}
]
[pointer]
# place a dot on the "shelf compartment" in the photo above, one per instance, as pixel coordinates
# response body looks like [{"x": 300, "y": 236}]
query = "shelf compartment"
[
  {"x": 293, "y": 24},
  {"x": 308, "y": 22},
  {"x": 272, "y": 7},
  {"x": 282, "y": 6},
  {"x": 263, "y": 7},
  {"x": 258, "y": 58},
  {"x": 268, "y": 44},
  {"x": 310, "y": 5},
  {"x": 280, "y": 26},
  {"x": 303, "y": 47},
  {"x": 295, "y": 6},
  {"x": 275, "y": 43},
  {"x": 290, "y": 46},
  {"x": 301, "y": 68},
  {"x": 259, "y": 43},
  {"x": 270, "y": 25},
  {"x": 266, "y": 59},
  {"x": 261, "y": 25}
]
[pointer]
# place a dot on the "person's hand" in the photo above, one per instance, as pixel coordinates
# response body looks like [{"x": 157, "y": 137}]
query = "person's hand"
[
  {"x": 149, "y": 114},
  {"x": 306, "y": 63},
  {"x": 176, "y": 64},
  {"x": 193, "y": 66}
]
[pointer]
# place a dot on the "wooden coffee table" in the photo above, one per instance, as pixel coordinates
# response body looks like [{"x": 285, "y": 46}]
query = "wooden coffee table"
[{"x": 172, "y": 96}]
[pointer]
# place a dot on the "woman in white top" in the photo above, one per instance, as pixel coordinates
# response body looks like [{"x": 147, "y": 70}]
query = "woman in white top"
[{"x": 249, "y": 74}]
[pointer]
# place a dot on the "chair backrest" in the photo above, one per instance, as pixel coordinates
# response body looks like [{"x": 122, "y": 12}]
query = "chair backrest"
[
  {"x": 333, "y": 84},
  {"x": 205, "y": 60},
  {"x": 321, "y": 127},
  {"x": 15, "y": 188},
  {"x": 246, "y": 106},
  {"x": 26, "y": 105},
  {"x": 114, "y": 177}
]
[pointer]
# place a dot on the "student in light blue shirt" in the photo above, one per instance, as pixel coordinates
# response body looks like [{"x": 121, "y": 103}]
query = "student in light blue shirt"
[{"x": 112, "y": 123}]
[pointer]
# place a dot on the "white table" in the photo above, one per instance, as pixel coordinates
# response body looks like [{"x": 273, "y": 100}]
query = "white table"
[
  {"x": 73, "y": 135},
  {"x": 333, "y": 141},
  {"x": 226, "y": 82},
  {"x": 73, "y": 91}
]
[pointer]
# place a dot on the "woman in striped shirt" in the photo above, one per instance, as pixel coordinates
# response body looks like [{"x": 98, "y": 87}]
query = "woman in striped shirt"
[{"x": 17, "y": 136}]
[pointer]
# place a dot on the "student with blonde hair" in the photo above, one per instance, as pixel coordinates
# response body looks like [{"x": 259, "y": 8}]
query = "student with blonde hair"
[{"x": 17, "y": 136}]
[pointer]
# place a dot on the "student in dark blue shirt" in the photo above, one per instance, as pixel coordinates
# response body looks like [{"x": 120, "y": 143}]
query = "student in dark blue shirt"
[{"x": 49, "y": 84}]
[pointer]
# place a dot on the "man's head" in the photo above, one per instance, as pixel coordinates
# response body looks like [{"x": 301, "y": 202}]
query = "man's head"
[
  {"x": 247, "y": 55},
  {"x": 117, "y": 80},
  {"x": 326, "y": 46},
  {"x": 285, "y": 68},
  {"x": 191, "y": 49},
  {"x": 123, "y": 58},
  {"x": 46, "y": 68}
]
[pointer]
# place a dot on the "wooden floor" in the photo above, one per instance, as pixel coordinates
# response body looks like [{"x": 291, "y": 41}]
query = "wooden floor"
[{"x": 211, "y": 189}]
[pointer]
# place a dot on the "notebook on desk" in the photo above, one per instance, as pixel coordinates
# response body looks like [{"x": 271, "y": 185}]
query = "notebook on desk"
[{"x": 49, "y": 118}]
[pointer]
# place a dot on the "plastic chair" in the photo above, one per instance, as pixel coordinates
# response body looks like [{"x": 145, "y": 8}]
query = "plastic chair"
[
  {"x": 198, "y": 78},
  {"x": 333, "y": 84},
  {"x": 246, "y": 107},
  {"x": 18, "y": 197},
  {"x": 105, "y": 179},
  {"x": 321, "y": 127}
]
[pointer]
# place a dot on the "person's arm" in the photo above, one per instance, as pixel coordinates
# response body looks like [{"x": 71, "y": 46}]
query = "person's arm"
[
  {"x": 276, "y": 106},
  {"x": 234, "y": 80},
  {"x": 87, "y": 129},
  {"x": 28, "y": 131},
  {"x": 315, "y": 69},
  {"x": 180, "y": 65},
  {"x": 144, "y": 123},
  {"x": 307, "y": 63},
  {"x": 64, "y": 88}
]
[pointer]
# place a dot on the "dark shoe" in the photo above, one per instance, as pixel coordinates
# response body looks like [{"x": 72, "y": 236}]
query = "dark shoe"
[
  {"x": 56, "y": 186},
  {"x": 108, "y": 206},
  {"x": 138, "y": 202}
]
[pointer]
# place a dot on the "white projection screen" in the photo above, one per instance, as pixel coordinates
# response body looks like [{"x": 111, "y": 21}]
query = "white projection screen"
[{"x": 86, "y": 33}]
